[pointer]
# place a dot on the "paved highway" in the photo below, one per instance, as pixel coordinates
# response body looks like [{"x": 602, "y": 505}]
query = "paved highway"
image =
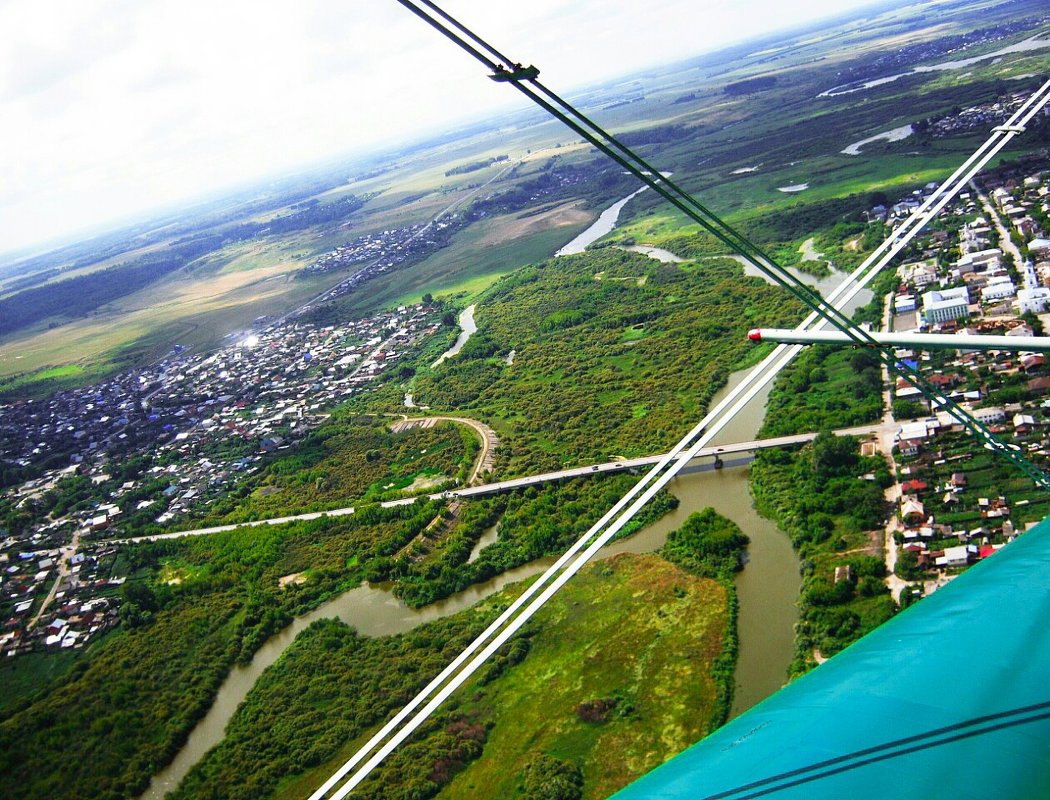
[
  {"x": 707, "y": 453},
  {"x": 646, "y": 461}
]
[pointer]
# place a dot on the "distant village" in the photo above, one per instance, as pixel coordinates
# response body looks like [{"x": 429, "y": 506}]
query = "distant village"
[
  {"x": 981, "y": 117},
  {"x": 190, "y": 427},
  {"x": 380, "y": 252},
  {"x": 388, "y": 248},
  {"x": 905, "y": 57}
]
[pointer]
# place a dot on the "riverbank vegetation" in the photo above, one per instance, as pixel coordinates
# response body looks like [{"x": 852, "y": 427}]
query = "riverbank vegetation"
[
  {"x": 195, "y": 606},
  {"x": 192, "y": 608},
  {"x": 829, "y": 500},
  {"x": 352, "y": 459},
  {"x": 657, "y": 637},
  {"x": 826, "y": 496},
  {"x": 825, "y": 388},
  {"x": 532, "y": 523}
]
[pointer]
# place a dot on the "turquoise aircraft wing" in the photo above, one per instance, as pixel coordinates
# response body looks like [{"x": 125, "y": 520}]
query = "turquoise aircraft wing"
[{"x": 949, "y": 699}]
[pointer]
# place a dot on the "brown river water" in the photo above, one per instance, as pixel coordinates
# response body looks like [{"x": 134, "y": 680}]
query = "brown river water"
[{"x": 767, "y": 589}]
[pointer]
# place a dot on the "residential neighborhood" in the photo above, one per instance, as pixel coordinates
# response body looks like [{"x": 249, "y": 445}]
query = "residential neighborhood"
[
  {"x": 984, "y": 269},
  {"x": 148, "y": 446}
]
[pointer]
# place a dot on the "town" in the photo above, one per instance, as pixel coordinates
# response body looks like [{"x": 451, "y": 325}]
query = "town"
[
  {"x": 141, "y": 450},
  {"x": 144, "y": 450},
  {"x": 151, "y": 447},
  {"x": 984, "y": 268}
]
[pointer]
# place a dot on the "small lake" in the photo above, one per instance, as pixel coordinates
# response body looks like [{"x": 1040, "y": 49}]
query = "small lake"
[{"x": 895, "y": 135}]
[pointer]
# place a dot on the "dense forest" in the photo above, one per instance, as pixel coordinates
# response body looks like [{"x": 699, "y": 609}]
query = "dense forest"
[
  {"x": 306, "y": 215},
  {"x": 594, "y": 182},
  {"x": 614, "y": 352},
  {"x": 75, "y": 297},
  {"x": 751, "y": 85},
  {"x": 826, "y": 387},
  {"x": 196, "y": 606},
  {"x": 351, "y": 459},
  {"x": 193, "y": 608},
  {"x": 474, "y": 166}
]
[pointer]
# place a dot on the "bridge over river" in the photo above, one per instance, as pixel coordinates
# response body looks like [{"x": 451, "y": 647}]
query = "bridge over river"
[{"x": 709, "y": 457}]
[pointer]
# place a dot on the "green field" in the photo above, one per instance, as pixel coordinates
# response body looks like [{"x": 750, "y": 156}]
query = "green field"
[{"x": 477, "y": 257}]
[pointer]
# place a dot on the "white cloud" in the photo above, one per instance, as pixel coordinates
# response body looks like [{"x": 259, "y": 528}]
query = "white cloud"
[{"x": 114, "y": 106}]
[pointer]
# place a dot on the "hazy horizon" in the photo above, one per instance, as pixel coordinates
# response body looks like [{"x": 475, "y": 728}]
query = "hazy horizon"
[{"x": 121, "y": 111}]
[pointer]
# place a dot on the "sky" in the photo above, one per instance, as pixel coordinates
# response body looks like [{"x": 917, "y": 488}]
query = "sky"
[{"x": 113, "y": 108}]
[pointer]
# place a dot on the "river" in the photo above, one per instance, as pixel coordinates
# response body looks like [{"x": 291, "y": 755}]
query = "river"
[
  {"x": 1028, "y": 45},
  {"x": 824, "y": 285},
  {"x": 606, "y": 222},
  {"x": 767, "y": 588},
  {"x": 372, "y": 610},
  {"x": 467, "y": 329}
]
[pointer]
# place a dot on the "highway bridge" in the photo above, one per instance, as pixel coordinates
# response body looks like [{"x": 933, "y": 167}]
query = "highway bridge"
[
  {"x": 708, "y": 457},
  {"x": 709, "y": 454}
]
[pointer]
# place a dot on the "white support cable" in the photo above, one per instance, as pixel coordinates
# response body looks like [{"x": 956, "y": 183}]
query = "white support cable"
[
  {"x": 539, "y": 582},
  {"x": 550, "y": 591},
  {"x": 706, "y": 429}
]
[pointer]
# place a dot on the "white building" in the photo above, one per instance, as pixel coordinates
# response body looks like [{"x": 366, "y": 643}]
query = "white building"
[
  {"x": 1035, "y": 300},
  {"x": 987, "y": 415},
  {"x": 1039, "y": 248},
  {"x": 917, "y": 430},
  {"x": 919, "y": 273},
  {"x": 998, "y": 288},
  {"x": 981, "y": 258},
  {"x": 957, "y": 556},
  {"x": 946, "y": 304}
]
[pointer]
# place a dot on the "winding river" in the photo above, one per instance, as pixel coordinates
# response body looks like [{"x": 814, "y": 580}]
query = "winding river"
[
  {"x": 467, "y": 329},
  {"x": 767, "y": 588},
  {"x": 606, "y": 222}
]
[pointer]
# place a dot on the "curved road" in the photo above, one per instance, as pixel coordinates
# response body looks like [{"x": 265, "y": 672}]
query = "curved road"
[{"x": 489, "y": 441}]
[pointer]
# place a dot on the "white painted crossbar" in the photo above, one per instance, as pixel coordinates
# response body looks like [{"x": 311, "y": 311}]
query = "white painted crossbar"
[{"x": 920, "y": 341}]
